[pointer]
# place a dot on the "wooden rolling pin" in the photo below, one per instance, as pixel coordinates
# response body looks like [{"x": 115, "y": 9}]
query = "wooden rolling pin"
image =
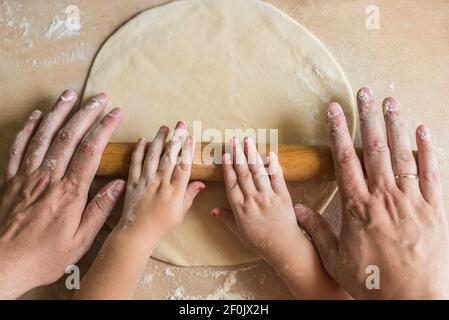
[{"x": 299, "y": 162}]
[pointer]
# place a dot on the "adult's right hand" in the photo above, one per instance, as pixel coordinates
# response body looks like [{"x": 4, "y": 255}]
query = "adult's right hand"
[
  {"x": 46, "y": 223},
  {"x": 394, "y": 226}
]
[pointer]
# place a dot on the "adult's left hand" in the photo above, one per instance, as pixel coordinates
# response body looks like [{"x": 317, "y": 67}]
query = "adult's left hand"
[{"x": 47, "y": 223}]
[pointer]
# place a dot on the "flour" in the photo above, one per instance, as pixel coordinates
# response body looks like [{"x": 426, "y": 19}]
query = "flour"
[
  {"x": 147, "y": 279},
  {"x": 65, "y": 27},
  {"x": 223, "y": 292},
  {"x": 391, "y": 86}
]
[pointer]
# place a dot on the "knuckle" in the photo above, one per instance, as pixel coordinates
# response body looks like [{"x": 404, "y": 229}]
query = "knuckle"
[
  {"x": 314, "y": 225},
  {"x": 430, "y": 177},
  {"x": 263, "y": 198},
  {"x": 245, "y": 174},
  {"x": 100, "y": 203},
  {"x": 404, "y": 156},
  {"x": 355, "y": 206},
  {"x": 37, "y": 141},
  {"x": 65, "y": 136},
  {"x": 375, "y": 147},
  {"x": 345, "y": 157},
  {"x": 72, "y": 189},
  {"x": 88, "y": 148}
]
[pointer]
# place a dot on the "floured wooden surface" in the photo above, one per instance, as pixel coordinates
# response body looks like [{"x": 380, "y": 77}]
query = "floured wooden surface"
[{"x": 407, "y": 58}]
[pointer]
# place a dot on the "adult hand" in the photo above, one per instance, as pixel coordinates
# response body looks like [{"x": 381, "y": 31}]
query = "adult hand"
[
  {"x": 46, "y": 224},
  {"x": 394, "y": 226}
]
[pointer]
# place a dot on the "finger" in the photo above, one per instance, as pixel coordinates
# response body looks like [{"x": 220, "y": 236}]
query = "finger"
[
  {"x": 402, "y": 158},
  {"x": 276, "y": 175},
  {"x": 375, "y": 151},
  {"x": 135, "y": 168},
  {"x": 319, "y": 231},
  {"x": 429, "y": 168},
  {"x": 154, "y": 153},
  {"x": 48, "y": 128},
  {"x": 233, "y": 191},
  {"x": 170, "y": 157},
  {"x": 18, "y": 149},
  {"x": 244, "y": 176},
  {"x": 256, "y": 166},
  {"x": 68, "y": 138},
  {"x": 97, "y": 211},
  {"x": 181, "y": 174},
  {"x": 227, "y": 217},
  {"x": 192, "y": 190},
  {"x": 348, "y": 170},
  {"x": 87, "y": 156}
]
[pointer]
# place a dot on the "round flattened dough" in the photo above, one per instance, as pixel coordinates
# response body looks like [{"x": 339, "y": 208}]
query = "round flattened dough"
[{"x": 231, "y": 64}]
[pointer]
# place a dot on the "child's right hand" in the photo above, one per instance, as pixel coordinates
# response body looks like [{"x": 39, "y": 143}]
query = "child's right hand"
[{"x": 262, "y": 211}]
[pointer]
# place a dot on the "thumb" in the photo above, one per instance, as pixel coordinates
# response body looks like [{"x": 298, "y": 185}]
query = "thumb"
[
  {"x": 98, "y": 210},
  {"x": 192, "y": 191},
  {"x": 318, "y": 230},
  {"x": 227, "y": 217}
]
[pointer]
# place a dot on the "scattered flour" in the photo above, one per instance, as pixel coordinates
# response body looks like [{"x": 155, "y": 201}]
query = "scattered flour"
[
  {"x": 223, "y": 292},
  {"x": 147, "y": 279},
  {"x": 61, "y": 28},
  {"x": 169, "y": 272},
  {"x": 391, "y": 86}
]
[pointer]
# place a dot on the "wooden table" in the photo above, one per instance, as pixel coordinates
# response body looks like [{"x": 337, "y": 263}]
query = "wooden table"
[{"x": 406, "y": 57}]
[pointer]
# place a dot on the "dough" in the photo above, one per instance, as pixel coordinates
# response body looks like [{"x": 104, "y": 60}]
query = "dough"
[{"x": 230, "y": 64}]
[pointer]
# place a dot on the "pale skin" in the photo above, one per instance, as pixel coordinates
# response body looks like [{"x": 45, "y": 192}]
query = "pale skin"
[
  {"x": 397, "y": 224},
  {"x": 157, "y": 198},
  {"x": 263, "y": 218},
  {"x": 47, "y": 222}
]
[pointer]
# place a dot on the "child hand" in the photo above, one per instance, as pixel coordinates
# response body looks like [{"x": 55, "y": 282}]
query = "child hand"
[
  {"x": 264, "y": 219},
  {"x": 262, "y": 212},
  {"x": 158, "y": 192}
]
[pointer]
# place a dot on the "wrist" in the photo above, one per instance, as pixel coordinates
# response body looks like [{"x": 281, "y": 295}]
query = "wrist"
[
  {"x": 132, "y": 237},
  {"x": 14, "y": 279},
  {"x": 279, "y": 251}
]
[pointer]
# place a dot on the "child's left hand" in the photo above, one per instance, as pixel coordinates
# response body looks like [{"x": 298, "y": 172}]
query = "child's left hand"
[{"x": 158, "y": 192}]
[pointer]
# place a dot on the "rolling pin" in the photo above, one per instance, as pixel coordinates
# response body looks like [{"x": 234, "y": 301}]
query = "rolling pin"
[{"x": 299, "y": 162}]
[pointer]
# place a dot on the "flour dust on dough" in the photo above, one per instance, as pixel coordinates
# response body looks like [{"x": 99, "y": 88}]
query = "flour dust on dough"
[{"x": 230, "y": 64}]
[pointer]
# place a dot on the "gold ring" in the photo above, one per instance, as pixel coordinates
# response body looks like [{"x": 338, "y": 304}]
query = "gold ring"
[{"x": 406, "y": 176}]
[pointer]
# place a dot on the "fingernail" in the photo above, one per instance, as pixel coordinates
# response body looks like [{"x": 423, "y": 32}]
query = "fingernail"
[
  {"x": 116, "y": 112},
  {"x": 101, "y": 97},
  {"x": 115, "y": 190},
  {"x": 181, "y": 125},
  {"x": 96, "y": 101},
  {"x": 163, "y": 129},
  {"x": 303, "y": 213},
  {"x": 227, "y": 158},
  {"x": 200, "y": 187},
  {"x": 333, "y": 110},
  {"x": 424, "y": 133},
  {"x": 366, "y": 95},
  {"x": 68, "y": 95},
  {"x": 390, "y": 105},
  {"x": 36, "y": 114}
]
